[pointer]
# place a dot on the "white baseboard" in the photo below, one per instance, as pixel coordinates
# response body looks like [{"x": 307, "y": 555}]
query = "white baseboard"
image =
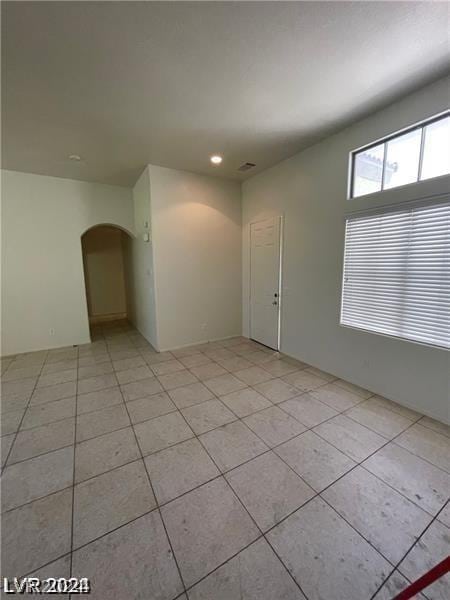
[
  {"x": 94, "y": 319},
  {"x": 227, "y": 337}
]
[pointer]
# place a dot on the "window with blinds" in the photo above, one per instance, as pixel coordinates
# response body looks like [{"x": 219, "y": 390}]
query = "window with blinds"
[{"x": 396, "y": 278}]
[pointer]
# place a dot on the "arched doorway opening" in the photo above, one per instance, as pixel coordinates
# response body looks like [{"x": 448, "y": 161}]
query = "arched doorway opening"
[{"x": 105, "y": 264}]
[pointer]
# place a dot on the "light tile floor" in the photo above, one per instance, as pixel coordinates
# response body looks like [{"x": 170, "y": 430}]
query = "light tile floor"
[{"x": 223, "y": 471}]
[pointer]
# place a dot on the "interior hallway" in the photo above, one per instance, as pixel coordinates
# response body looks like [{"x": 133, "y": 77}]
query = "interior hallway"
[{"x": 215, "y": 468}]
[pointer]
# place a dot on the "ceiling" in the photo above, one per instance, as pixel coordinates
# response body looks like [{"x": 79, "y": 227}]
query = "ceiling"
[{"x": 123, "y": 84}]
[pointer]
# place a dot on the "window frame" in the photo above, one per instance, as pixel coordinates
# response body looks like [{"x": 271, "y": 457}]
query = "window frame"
[{"x": 421, "y": 125}]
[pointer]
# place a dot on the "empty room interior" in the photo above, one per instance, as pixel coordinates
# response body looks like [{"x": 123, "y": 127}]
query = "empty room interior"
[{"x": 225, "y": 300}]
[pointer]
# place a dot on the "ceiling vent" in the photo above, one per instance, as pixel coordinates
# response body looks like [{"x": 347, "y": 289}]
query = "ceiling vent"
[{"x": 246, "y": 166}]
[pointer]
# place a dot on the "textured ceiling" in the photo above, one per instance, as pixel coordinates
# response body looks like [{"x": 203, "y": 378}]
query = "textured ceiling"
[{"x": 124, "y": 84}]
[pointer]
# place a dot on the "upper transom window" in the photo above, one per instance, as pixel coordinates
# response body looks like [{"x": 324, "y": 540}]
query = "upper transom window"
[{"x": 418, "y": 153}]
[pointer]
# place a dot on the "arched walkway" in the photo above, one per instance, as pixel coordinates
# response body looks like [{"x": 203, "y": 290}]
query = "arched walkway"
[{"x": 105, "y": 265}]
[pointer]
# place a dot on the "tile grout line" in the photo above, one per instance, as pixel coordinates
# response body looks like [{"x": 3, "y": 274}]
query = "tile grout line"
[
  {"x": 316, "y": 494},
  {"x": 414, "y": 543},
  {"x": 5, "y": 464},
  {"x": 343, "y": 413},
  {"x": 72, "y": 525},
  {"x": 221, "y": 475},
  {"x": 263, "y": 534},
  {"x": 211, "y": 360},
  {"x": 49, "y": 422},
  {"x": 396, "y": 566},
  {"x": 228, "y": 470},
  {"x": 269, "y": 449},
  {"x": 319, "y": 494},
  {"x": 291, "y": 438},
  {"x": 387, "y": 441},
  {"x": 302, "y": 391},
  {"x": 202, "y": 381},
  {"x": 237, "y": 418},
  {"x": 154, "y": 496},
  {"x": 37, "y": 404},
  {"x": 19, "y": 462},
  {"x": 19, "y": 426}
]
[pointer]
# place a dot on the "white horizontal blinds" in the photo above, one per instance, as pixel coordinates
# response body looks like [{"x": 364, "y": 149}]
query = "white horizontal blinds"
[{"x": 397, "y": 274}]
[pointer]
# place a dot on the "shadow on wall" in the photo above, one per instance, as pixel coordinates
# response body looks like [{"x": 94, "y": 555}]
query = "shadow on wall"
[{"x": 105, "y": 272}]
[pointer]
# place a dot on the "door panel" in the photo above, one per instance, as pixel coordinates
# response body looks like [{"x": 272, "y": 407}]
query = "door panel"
[{"x": 265, "y": 281}]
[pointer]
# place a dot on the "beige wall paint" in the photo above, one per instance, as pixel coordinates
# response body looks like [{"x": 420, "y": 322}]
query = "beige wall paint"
[
  {"x": 104, "y": 272},
  {"x": 43, "y": 292},
  {"x": 189, "y": 276},
  {"x": 196, "y": 230},
  {"x": 139, "y": 265},
  {"x": 184, "y": 286},
  {"x": 310, "y": 191}
]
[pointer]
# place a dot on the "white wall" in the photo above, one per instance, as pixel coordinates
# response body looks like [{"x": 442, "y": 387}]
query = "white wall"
[
  {"x": 183, "y": 287},
  {"x": 310, "y": 190},
  {"x": 139, "y": 265},
  {"x": 43, "y": 289},
  {"x": 104, "y": 273},
  {"x": 196, "y": 228}
]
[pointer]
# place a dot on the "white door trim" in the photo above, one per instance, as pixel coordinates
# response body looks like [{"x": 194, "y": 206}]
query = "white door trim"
[
  {"x": 280, "y": 280},
  {"x": 280, "y": 217}
]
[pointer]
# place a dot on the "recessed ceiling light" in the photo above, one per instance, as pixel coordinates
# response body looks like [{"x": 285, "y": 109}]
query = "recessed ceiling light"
[
  {"x": 216, "y": 159},
  {"x": 76, "y": 157}
]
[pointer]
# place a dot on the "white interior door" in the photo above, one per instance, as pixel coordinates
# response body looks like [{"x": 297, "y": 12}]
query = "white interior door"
[{"x": 265, "y": 249}]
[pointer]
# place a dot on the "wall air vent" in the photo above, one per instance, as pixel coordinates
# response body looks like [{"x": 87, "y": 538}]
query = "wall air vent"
[{"x": 246, "y": 166}]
